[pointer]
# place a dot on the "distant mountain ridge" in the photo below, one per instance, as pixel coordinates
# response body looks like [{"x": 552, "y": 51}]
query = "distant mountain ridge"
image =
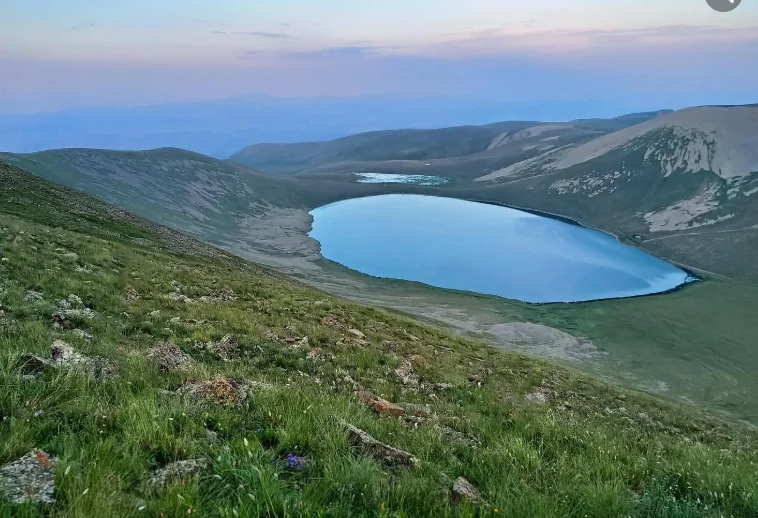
[{"x": 418, "y": 144}]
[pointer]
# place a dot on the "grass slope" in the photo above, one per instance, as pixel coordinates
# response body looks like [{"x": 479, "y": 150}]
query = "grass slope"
[{"x": 588, "y": 450}]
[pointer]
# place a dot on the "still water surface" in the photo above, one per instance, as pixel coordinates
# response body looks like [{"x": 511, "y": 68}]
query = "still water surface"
[{"x": 487, "y": 249}]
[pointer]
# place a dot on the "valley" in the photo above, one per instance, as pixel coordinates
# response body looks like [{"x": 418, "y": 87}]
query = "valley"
[{"x": 688, "y": 208}]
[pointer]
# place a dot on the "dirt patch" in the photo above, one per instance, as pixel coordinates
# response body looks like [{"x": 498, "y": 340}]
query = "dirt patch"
[{"x": 544, "y": 341}]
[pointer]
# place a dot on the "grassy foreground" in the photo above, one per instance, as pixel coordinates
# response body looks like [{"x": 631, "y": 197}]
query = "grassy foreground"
[{"x": 535, "y": 439}]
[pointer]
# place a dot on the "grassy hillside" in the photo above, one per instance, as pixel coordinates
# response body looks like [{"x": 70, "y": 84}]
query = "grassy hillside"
[{"x": 261, "y": 418}]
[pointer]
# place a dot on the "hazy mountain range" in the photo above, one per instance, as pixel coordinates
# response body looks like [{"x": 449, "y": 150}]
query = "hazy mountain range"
[{"x": 222, "y": 127}]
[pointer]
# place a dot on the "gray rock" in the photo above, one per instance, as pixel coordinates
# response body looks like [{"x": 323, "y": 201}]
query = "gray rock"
[
  {"x": 357, "y": 333},
  {"x": 405, "y": 374},
  {"x": 29, "y": 479},
  {"x": 541, "y": 395},
  {"x": 179, "y": 297},
  {"x": 33, "y": 296},
  {"x": 168, "y": 357},
  {"x": 176, "y": 471},
  {"x": 384, "y": 453},
  {"x": 67, "y": 357},
  {"x": 464, "y": 491}
]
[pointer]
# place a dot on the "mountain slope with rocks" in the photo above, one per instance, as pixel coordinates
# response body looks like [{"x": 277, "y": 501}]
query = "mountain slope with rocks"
[
  {"x": 682, "y": 184},
  {"x": 147, "y": 374}
]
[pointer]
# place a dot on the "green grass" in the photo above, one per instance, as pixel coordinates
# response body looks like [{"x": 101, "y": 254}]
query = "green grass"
[{"x": 608, "y": 452}]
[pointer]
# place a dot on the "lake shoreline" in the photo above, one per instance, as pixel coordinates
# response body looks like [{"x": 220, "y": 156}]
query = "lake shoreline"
[
  {"x": 689, "y": 276},
  {"x": 617, "y": 235}
]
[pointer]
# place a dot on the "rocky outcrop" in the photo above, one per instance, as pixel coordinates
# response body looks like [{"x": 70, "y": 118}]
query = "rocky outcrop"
[
  {"x": 176, "y": 471},
  {"x": 464, "y": 491},
  {"x": 379, "y": 405},
  {"x": 384, "y": 453}
]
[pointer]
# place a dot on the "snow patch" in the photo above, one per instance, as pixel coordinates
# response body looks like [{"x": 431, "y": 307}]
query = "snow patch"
[{"x": 680, "y": 216}]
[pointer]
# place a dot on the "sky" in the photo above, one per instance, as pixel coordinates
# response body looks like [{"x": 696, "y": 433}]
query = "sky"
[{"x": 56, "y": 55}]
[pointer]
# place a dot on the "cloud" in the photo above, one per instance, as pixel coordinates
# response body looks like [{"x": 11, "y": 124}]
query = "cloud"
[
  {"x": 565, "y": 41},
  {"x": 259, "y": 34}
]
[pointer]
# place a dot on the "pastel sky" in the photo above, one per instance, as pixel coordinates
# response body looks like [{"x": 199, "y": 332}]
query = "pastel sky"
[{"x": 57, "y": 54}]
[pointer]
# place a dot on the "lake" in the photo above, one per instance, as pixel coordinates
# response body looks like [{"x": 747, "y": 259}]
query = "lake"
[
  {"x": 487, "y": 249},
  {"x": 416, "y": 179}
]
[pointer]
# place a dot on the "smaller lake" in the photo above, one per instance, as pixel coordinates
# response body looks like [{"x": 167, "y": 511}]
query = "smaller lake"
[
  {"x": 487, "y": 249},
  {"x": 416, "y": 179}
]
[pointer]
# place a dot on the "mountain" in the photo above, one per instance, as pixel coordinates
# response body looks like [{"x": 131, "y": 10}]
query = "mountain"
[
  {"x": 487, "y": 144},
  {"x": 684, "y": 184},
  {"x": 681, "y": 184},
  {"x": 219, "y": 128},
  {"x": 204, "y": 197},
  {"x": 225, "y": 203}
]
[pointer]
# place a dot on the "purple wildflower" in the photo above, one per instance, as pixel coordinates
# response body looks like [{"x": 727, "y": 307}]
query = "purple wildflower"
[{"x": 295, "y": 461}]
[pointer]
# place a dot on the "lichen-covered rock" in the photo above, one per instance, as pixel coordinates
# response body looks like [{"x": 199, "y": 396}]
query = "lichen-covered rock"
[
  {"x": 168, "y": 357},
  {"x": 33, "y": 296},
  {"x": 176, "y": 471},
  {"x": 223, "y": 296},
  {"x": 131, "y": 295},
  {"x": 228, "y": 348},
  {"x": 464, "y": 491},
  {"x": 384, "y": 453},
  {"x": 356, "y": 332},
  {"x": 405, "y": 374},
  {"x": 71, "y": 311},
  {"x": 220, "y": 390},
  {"x": 541, "y": 395},
  {"x": 179, "y": 297},
  {"x": 333, "y": 322},
  {"x": 65, "y": 356},
  {"x": 29, "y": 479}
]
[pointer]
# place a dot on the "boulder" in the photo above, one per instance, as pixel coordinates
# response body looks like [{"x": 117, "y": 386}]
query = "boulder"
[
  {"x": 168, "y": 357},
  {"x": 379, "y": 405},
  {"x": 356, "y": 332},
  {"x": 405, "y": 374},
  {"x": 464, "y": 491}
]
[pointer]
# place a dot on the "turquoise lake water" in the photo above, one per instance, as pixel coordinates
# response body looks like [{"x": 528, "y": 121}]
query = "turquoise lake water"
[
  {"x": 417, "y": 179},
  {"x": 487, "y": 249}
]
